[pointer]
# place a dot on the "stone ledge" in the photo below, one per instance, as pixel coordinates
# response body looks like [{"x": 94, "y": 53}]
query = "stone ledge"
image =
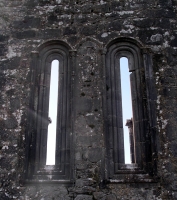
[
  {"x": 133, "y": 178},
  {"x": 35, "y": 181}
]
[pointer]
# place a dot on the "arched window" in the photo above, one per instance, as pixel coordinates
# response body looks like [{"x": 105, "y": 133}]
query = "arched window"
[
  {"x": 43, "y": 72},
  {"x": 53, "y": 107},
  {"x": 139, "y": 124},
  {"x": 126, "y": 110}
]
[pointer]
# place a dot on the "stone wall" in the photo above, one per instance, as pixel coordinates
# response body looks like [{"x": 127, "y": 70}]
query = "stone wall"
[{"x": 87, "y": 27}]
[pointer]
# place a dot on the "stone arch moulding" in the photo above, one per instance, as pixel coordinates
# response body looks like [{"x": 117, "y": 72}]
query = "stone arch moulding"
[
  {"x": 36, "y": 134},
  {"x": 143, "y": 103}
]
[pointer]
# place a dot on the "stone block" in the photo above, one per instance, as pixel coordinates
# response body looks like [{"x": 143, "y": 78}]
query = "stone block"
[
  {"x": 2, "y": 79},
  {"x": 14, "y": 104},
  {"x": 84, "y": 182},
  {"x": 28, "y": 22},
  {"x": 70, "y": 31},
  {"x": 2, "y": 49},
  {"x": 115, "y": 25},
  {"x": 3, "y": 38},
  {"x": 48, "y": 33},
  {"x": 88, "y": 30},
  {"x": 52, "y": 18},
  {"x": 173, "y": 42},
  {"x": 11, "y": 64},
  {"x": 95, "y": 154},
  {"x": 84, "y": 105},
  {"x": 98, "y": 195},
  {"x": 84, "y": 141},
  {"x": 83, "y": 197},
  {"x": 25, "y": 34},
  {"x": 11, "y": 123}
]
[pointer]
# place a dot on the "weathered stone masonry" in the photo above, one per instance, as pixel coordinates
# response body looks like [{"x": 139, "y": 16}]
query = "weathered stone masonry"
[{"x": 85, "y": 31}]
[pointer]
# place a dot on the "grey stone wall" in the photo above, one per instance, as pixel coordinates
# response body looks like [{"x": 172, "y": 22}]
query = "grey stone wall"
[{"x": 27, "y": 24}]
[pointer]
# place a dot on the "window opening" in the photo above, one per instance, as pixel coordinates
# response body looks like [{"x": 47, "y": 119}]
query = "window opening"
[
  {"x": 52, "y": 117},
  {"x": 126, "y": 108}
]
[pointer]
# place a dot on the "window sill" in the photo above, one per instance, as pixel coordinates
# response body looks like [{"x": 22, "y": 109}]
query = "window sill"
[
  {"x": 43, "y": 181},
  {"x": 127, "y": 169},
  {"x": 133, "y": 178},
  {"x": 50, "y": 174}
]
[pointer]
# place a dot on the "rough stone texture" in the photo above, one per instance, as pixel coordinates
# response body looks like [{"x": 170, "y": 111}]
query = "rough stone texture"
[{"x": 87, "y": 26}]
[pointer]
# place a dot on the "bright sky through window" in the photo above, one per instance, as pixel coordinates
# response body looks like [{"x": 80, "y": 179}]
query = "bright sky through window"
[
  {"x": 126, "y": 104},
  {"x": 53, "y": 102}
]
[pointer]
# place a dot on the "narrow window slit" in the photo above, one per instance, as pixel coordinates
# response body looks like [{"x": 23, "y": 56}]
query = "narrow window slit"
[
  {"x": 126, "y": 110},
  {"x": 52, "y": 116}
]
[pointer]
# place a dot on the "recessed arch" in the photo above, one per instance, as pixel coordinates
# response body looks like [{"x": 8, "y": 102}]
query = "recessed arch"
[
  {"x": 126, "y": 47},
  {"x": 130, "y": 41},
  {"x": 50, "y": 44},
  {"x": 39, "y": 105}
]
